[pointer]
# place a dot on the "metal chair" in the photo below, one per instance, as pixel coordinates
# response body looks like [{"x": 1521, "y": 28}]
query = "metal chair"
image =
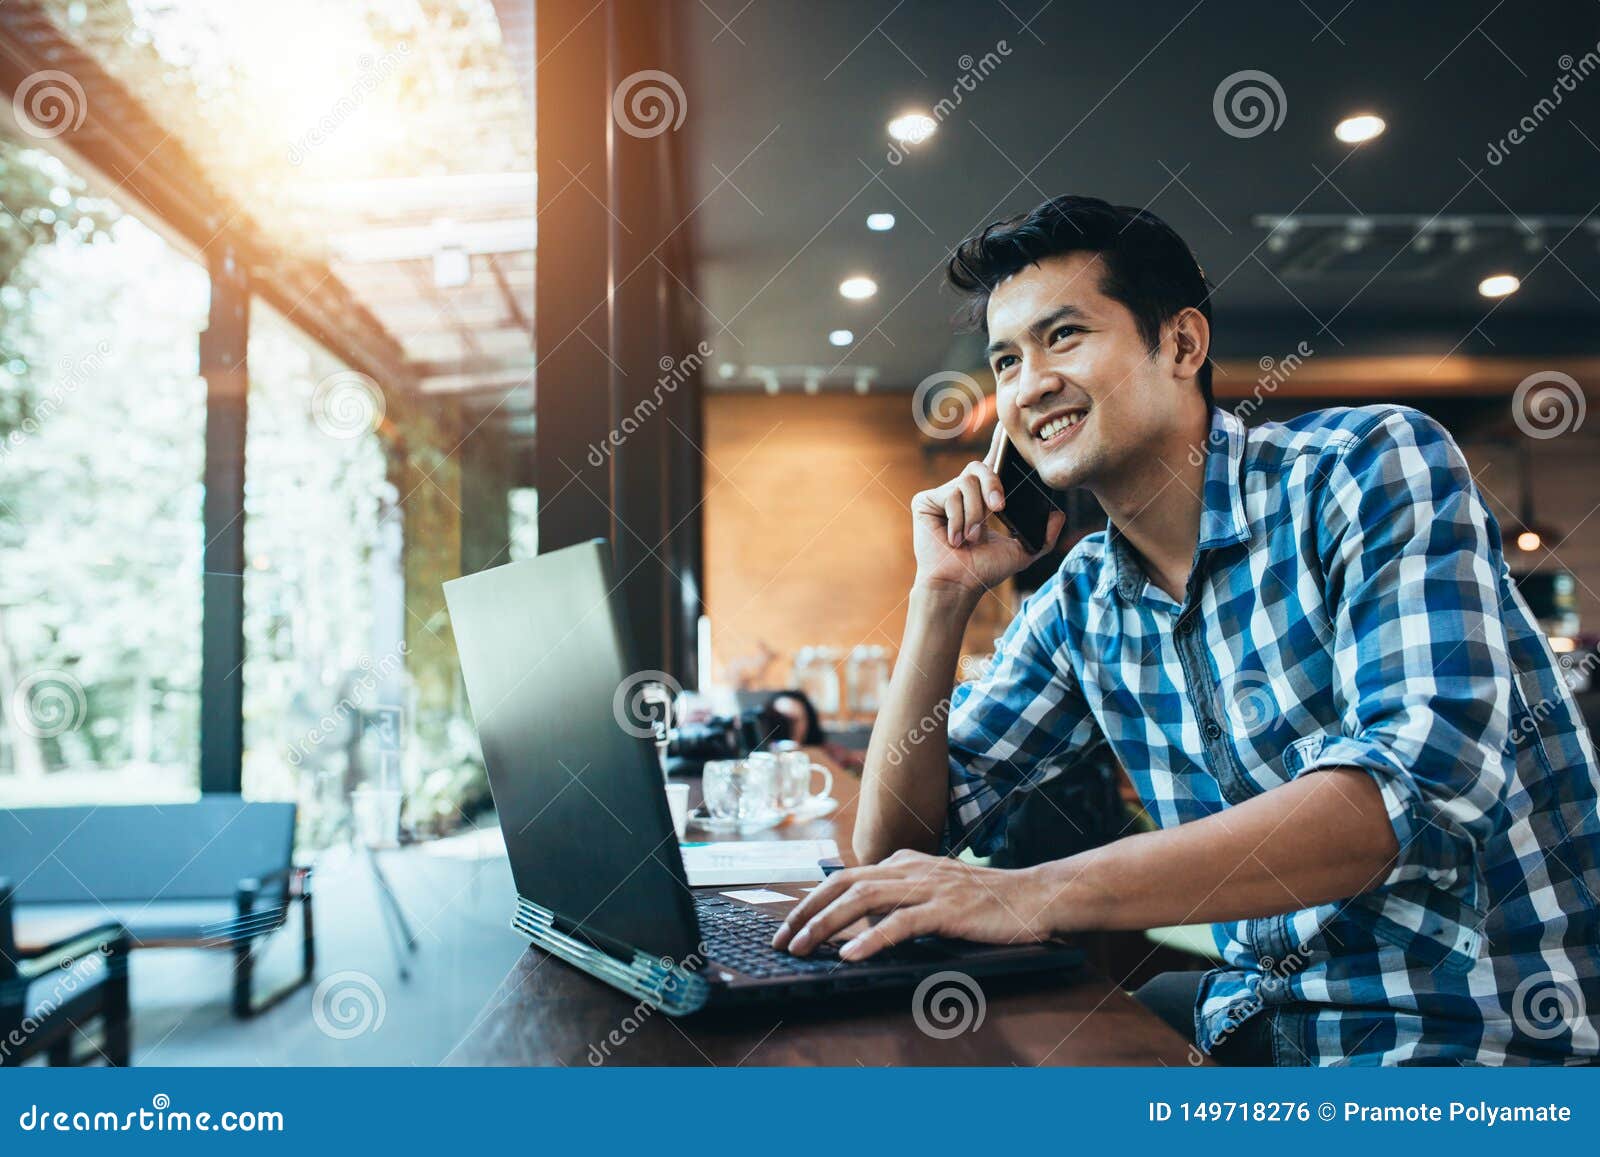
[{"x": 50, "y": 992}]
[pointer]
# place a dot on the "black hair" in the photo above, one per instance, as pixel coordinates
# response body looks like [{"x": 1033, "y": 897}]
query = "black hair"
[{"x": 1148, "y": 267}]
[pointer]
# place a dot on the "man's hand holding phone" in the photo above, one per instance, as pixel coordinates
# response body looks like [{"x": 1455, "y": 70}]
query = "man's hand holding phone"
[
  {"x": 954, "y": 547},
  {"x": 906, "y": 780}
]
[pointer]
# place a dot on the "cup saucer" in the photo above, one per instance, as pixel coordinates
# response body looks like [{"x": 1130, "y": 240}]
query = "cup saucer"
[
  {"x": 706, "y": 823},
  {"x": 815, "y": 808}
]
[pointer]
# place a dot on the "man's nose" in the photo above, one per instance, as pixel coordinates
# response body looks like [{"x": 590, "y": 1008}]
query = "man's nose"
[{"x": 1038, "y": 384}]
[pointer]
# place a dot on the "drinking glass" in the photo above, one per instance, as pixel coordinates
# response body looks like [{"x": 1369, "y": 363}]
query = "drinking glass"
[
  {"x": 741, "y": 790},
  {"x": 794, "y": 771}
]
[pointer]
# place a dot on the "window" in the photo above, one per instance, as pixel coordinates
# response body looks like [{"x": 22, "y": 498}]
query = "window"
[
  {"x": 325, "y": 676},
  {"x": 102, "y": 416}
]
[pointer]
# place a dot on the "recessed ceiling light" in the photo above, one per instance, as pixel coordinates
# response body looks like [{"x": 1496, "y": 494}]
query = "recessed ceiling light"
[
  {"x": 1499, "y": 285},
  {"x": 841, "y": 337},
  {"x": 1529, "y": 540},
  {"x": 880, "y": 222},
  {"x": 912, "y": 128},
  {"x": 858, "y": 288},
  {"x": 1360, "y": 128}
]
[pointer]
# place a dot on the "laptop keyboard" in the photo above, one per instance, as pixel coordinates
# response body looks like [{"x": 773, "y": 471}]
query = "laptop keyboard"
[{"x": 741, "y": 937}]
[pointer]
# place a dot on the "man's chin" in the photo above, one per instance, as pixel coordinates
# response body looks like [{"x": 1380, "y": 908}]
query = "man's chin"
[{"x": 1062, "y": 475}]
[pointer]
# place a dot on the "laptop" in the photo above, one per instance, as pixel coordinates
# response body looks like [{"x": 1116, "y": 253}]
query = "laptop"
[{"x": 600, "y": 882}]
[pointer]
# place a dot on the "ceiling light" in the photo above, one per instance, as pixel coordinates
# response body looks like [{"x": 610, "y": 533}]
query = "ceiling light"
[
  {"x": 858, "y": 288},
  {"x": 912, "y": 128},
  {"x": 880, "y": 222},
  {"x": 452, "y": 268},
  {"x": 1529, "y": 540},
  {"x": 1359, "y": 129},
  {"x": 1499, "y": 285},
  {"x": 841, "y": 337}
]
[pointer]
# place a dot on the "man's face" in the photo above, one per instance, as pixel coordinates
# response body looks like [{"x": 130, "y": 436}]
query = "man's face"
[{"x": 1079, "y": 393}]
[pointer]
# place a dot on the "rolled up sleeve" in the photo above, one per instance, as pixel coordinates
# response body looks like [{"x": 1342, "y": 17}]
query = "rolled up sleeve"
[
  {"x": 1021, "y": 721},
  {"x": 1423, "y": 678}
]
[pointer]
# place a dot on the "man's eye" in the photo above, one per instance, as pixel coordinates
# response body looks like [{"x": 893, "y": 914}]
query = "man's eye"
[
  {"x": 1004, "y": 362},
  {"x": 1064, "y": 331}
]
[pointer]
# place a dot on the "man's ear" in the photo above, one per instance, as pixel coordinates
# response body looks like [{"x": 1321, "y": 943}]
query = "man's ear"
[{"x": 1191, "y": 335}]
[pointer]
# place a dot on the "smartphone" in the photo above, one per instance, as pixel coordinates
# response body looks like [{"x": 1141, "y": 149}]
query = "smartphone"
[{"x": 1029, "y": 502}]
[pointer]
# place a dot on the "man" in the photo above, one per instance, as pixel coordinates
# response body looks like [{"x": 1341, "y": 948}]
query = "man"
[{"x": 1304, "y": 647}]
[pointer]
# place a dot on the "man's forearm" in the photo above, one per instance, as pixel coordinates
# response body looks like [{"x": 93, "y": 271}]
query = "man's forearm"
[
  {"x": 1320, "y": 838},
  {"x": 906, "y": 781}
]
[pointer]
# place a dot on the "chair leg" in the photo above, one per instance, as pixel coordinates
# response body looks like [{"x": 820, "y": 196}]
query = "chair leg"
[
  {"x": 243, "y": 976},
  {"x": 10, "y": 1035},
  {"x": 308, "y": 935},
  {"x": 117, "y": 1012}
]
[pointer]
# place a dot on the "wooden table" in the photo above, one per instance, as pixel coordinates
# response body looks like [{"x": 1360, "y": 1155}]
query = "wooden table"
[{"x": 546, "y": 1013}]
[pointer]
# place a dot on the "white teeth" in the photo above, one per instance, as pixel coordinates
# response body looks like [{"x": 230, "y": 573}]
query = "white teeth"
[{"x": 1056, "y": 425}]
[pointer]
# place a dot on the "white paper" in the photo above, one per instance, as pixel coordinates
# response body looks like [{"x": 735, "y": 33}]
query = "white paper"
[
  {"x": 756, "y": 862},
  {"x": 759, "y": 896}
]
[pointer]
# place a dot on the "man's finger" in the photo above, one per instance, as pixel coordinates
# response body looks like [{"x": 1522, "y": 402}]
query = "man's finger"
[
  {"x": 975, "y": 505},
  {"x": 817, "y": 899},
  {"x": 897, "y": 927},
  {"x": 994, "y": 495},
  {"x": 863, "y": 898}
]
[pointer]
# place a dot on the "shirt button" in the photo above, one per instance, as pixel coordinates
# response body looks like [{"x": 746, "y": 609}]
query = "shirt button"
[
  {"x": 1213, "y": 730},
  {"x": 1185, "y": 626}
]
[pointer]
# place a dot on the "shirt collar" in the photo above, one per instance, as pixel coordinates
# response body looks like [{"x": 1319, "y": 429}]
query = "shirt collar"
[{"x": 1222, "y": 517}]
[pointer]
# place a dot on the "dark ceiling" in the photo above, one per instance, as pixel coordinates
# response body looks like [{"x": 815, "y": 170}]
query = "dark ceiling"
[{"x": 787, "y": 104}]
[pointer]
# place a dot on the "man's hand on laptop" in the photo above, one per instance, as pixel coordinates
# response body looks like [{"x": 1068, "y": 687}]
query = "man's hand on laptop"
[
  {"x": 955, "y": 550},
  {"x": 918, "y": 895}
]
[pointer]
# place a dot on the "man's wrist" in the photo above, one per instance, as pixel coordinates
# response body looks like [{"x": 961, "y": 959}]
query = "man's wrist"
[
  {"x": 943, "y": 599},
  {"x": 1070, "y": 895}
]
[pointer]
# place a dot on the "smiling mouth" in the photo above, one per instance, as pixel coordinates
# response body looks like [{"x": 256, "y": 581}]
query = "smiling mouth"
[{"x": 1058, "y": 427}]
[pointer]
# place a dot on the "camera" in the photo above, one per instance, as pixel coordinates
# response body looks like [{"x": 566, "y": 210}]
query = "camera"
[{"x": 690, "y": 745}]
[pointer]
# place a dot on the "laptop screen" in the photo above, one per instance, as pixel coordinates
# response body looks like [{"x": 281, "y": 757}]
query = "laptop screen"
[{"x": 543, "y": 653}]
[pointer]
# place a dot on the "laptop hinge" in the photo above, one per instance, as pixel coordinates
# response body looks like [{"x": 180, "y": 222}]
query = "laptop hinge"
[{"x": 658, "y": 981}]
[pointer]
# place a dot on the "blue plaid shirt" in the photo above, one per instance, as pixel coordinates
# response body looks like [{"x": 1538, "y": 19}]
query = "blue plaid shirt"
[{"x": 1350, "y": 607}]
